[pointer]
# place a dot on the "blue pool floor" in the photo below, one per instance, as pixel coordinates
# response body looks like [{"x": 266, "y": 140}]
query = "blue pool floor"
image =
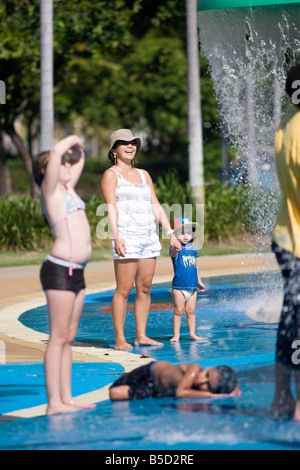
[
  {"x": 165, "y": 424},
  {"x": 23, "y": 385},
  {"x": 230, "y": 338}
]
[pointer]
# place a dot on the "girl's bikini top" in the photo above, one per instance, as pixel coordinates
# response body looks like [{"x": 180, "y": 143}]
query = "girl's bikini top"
[{"x": 73, "y": 203}]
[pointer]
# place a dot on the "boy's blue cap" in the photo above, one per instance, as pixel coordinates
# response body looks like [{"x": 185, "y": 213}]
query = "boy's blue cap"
[{"x": 179, "y": 222}]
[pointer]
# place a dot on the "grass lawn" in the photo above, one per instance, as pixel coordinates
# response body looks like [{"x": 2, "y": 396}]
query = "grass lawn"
[{"x": 26, "y": 258}]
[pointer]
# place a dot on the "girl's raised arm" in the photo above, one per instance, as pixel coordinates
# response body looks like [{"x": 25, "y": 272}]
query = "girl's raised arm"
[{"x": 56, "y": 153}]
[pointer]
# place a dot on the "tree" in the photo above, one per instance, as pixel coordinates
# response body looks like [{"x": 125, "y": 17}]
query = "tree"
[
  {"x": 196, "y": 171},
  {"x": 19, "y": 66},
  {"x": 144, "y": 86},
  {"x": 46, "y": 88},
  {"x": 83, "y": 31},
  {"x": 117, "y": 63}
]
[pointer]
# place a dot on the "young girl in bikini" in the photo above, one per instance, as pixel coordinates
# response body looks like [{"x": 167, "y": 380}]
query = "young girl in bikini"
[{"x": 57, "y": 171}]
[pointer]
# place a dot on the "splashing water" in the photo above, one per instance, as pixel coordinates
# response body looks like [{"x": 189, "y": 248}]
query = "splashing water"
[{"x": 250, "y": 51}]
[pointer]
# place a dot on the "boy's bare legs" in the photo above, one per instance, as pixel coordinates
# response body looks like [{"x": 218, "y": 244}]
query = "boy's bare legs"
[
  {"x": 190, "y": 308},
  {"x": 179, "y": 307},
  {"x": 283, "y": 401},
  {"x": 125, "y": 273},
  {"x": 143, "y": 284}
]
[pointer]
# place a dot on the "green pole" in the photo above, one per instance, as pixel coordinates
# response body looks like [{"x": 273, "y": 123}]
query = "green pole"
[{"x": 222, "y": 4}]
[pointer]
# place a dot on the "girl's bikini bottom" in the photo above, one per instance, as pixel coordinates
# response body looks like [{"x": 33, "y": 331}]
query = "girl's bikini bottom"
[{"x": 54, "y": 275}]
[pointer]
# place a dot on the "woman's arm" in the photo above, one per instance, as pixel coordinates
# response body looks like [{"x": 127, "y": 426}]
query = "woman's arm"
[
  {"x": 108, "y": 188},
  {"x": 160, "y": 214}
]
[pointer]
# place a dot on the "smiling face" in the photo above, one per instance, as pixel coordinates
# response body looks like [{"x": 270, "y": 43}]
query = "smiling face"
[{"x": 126, "y": 151}]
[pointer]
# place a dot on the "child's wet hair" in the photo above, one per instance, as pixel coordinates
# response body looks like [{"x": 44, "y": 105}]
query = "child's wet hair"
[{"x": 227, "y": 380}]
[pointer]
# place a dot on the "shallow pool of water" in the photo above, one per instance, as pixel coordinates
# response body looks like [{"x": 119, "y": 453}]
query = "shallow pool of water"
[{"x": 230, "y": 338}]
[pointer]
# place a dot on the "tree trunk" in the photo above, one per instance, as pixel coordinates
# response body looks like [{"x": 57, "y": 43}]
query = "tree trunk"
[
  {"x": 46, "y": 46},
  {"x": 5, "y": 181},
  {"x": 24, "y": 152},
  {"x": 196, "y": 173}
]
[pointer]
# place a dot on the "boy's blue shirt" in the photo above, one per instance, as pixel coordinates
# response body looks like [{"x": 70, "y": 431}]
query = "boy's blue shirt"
[{"x": 185, "y": 268}]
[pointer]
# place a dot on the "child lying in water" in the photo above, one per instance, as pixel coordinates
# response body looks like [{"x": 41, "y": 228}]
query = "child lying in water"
[{"x": 162, "y": 379}]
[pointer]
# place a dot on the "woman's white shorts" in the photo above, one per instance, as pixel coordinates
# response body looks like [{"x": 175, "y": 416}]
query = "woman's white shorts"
[{"x": 139, "y": 248}]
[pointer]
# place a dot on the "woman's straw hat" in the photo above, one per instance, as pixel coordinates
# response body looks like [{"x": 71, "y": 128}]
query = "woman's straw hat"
[{"x": 127, "y": 135}]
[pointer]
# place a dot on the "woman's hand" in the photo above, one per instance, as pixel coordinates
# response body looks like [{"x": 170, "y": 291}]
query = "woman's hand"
[
  {"x": 175, "y": 244},
  {"x": 120, "y": 247}
]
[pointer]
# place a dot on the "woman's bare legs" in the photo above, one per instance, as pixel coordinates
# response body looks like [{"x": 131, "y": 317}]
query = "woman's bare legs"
[
  {"x": 64, "y": 310},
  {"x": 128, "y": 272},
  {"x": 143, "y": 284},
  {"x": 125, "y": 272}
]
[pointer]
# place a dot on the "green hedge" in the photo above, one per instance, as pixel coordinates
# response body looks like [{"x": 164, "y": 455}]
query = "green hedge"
[
  {"x": 22, "y": 225},
  {"x": 229, "y": 211}
]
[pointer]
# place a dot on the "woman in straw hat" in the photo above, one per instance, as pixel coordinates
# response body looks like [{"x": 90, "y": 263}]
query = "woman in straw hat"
[{"x": 132, "y": 210}]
